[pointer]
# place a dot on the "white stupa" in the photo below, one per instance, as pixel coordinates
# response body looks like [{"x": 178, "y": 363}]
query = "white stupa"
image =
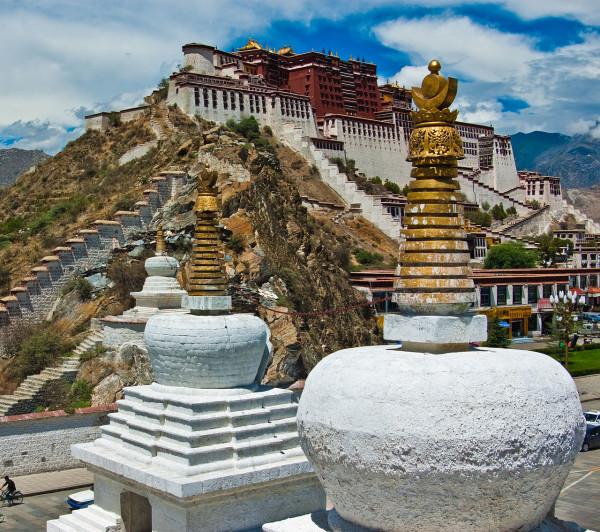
[
  {"x": 205, "y": 447},
  {"x": 161, "y": 292},
  {"x": 161, "y": 289},
  {"x": 436, "y": 435}
]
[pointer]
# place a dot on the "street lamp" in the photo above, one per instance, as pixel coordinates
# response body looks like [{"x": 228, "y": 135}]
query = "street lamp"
[{"x": 565, "y": 307}]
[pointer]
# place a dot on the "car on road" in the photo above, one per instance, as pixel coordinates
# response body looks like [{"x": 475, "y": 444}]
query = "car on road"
[
  {"x": 592, "y": 417},
  {"x": 592, "y": 438}
]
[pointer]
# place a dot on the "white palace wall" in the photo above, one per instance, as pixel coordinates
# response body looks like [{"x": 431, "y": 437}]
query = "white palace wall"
[
  {"x": 374, "y": 147},
  {"x": 228, "y": 100}
]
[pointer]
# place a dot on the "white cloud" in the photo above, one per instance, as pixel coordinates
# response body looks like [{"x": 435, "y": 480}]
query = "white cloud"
[
  {"x": 58, "y": 57},
  {"x": 475, "y": 51},
  {"x": 560, "y": 87}
]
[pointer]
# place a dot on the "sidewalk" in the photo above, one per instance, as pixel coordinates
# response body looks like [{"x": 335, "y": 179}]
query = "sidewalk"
[{"x": 74, "y": 479}]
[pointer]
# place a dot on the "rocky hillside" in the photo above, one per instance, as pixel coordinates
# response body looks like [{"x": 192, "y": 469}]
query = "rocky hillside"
[
  {"x": 586, "y": 200},
  {"x": 288, "y": 263},
  {"x": 575, "y": 159},
  {"x": 14, "y": 161}
]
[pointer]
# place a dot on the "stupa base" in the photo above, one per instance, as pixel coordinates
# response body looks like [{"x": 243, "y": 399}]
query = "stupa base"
[
  {"x": 185, "y": 459},
  {"x": 434, "y": 334},
  {"x": 330, "y": 521}
]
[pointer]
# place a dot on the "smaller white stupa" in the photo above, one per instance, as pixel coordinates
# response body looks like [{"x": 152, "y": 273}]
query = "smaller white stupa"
[
  {"x": 161, "y": 293},
  {"x": 161, "y": 289},
  {"x": 205, "y": 447}
]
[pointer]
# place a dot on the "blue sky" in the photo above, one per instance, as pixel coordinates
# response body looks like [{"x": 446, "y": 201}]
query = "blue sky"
[{"x": 524, "y": 65}]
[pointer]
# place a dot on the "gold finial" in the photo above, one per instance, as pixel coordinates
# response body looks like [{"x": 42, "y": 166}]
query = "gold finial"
[
  {"x": 436, "y": 91},
  {"x": 207, "y": 274},
  {"x": 161, "y": 245},
  {"x": 433, "y": 266}
]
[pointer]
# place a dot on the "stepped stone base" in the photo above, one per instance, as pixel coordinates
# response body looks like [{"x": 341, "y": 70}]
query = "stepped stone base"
[
  {"x": 330, "y": 521},
  {"x": 202, "y": 459}
]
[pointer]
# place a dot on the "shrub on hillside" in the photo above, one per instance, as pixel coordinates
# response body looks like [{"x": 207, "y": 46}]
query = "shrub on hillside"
[
  {"x": 43, "y": 346},
  {"x": 376, "y": 180},
  {"x": 246, "y": 127},
  {"x": 367, "y": 258},
  {"x": 484, "y": 219},
  {"x": 128, "y": 275},
  {"x": 80, "y": 394},
  {"x": 82, "y": 287},
  {"x": 392, "y": 187},
  {"x": 498, "y": 212}
]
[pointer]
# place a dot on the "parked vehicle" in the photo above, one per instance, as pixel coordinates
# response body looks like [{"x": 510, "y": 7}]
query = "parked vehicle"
[
  {"x": 81, "y": 499},
  {"x": 592, "y": 438},
  {"x": 592, "y": 417}
]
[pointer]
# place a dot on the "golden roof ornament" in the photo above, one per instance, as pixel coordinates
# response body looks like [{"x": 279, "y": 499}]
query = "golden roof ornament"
[
  {"x": 433, "y": 266},
  {"x": 207, "y": 273},
  {"x": 251, "y": 45}
]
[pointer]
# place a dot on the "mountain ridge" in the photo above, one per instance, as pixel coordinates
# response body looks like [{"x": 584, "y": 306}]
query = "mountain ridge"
[
  {"x": 15, "y": 161},
  {"x": 575, "y": 159}
]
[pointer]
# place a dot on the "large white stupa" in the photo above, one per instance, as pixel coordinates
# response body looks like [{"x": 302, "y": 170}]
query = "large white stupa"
[
  {"x": 436, "y": 435},
  {"x": 205, "y": 447}
]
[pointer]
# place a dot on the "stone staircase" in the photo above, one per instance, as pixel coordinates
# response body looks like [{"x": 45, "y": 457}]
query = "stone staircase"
[
  {"x": 91, "y": 519},
  {"x": 371, "y": 207},
  {"x": 35, "y": 389},
  {"x": 479, "y": 192},
  {"x": 35, "y": 295}
]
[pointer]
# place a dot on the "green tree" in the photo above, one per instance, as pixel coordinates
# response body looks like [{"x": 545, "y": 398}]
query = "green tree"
[
  {"x": 479, "y": 217},
  {"x": 510, "y": 255},
  {"x": 392, "y": 187},
  {"x": 485, "y": 206},
  {"x": 376, "y": 180},
  {"x": 497, "y": 335},
  {"x": 498, "y": 212},
  {"x": 511, "y": 211},
  {"x": 553, "y": 250}
]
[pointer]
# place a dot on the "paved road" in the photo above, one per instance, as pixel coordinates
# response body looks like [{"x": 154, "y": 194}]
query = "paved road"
[
  {"x": 580, "y": 497},
  {"x": 31, "y": 516}
]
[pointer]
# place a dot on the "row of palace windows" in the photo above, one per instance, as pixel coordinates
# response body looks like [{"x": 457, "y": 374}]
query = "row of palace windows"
[
  {"x": 368, "y": 130},
  {"x": 518, "y": 294},
  {"x": 230, "y": 99},
  {"x": 296, "y": 108}
]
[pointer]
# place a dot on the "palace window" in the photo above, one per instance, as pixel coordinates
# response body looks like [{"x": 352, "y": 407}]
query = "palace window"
[
  {"x": 532, "y": 294},
  {"x": 485, "y": 296},
  {"x": 517, "y": 294},
  {"x": 547, "y": 289},
  {"x": 251, "y": 97},
  {"x": 232, "y": 96},
  {"x": 214, "y": 99},
  {"x": 196, "y": 96},
  {"x": 501, "y": 295},
  {"x": 225, "y": 100},
  {"x": 241, "y": 98}
]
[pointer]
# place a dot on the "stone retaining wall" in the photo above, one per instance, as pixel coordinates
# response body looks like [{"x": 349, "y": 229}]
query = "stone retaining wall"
[{"x": 41, "y": 442}]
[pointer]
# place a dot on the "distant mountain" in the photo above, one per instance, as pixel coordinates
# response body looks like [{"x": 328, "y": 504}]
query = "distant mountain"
[
  {"x": 14, "y": 161},
  {"x": 575, "y": 159}
]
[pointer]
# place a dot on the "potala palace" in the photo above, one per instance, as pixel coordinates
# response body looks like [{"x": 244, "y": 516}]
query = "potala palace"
[{"x": 332, "y": 109}]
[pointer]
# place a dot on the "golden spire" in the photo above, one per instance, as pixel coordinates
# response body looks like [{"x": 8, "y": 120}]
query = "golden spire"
[
  {"x": 161, "y": 246},
  {"x": 207, "y": 273},
  {"x": 433, "y": 267}
]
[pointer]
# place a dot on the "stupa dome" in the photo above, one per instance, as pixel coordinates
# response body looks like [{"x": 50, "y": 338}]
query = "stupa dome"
[
  {"x": 161, "y": 266},
  {"x": 223, "y": 351},
  {"x": 414, "y": 441}
]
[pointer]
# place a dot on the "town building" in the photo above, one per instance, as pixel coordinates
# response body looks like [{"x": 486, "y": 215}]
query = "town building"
[{"x": 520, "y": 297}]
